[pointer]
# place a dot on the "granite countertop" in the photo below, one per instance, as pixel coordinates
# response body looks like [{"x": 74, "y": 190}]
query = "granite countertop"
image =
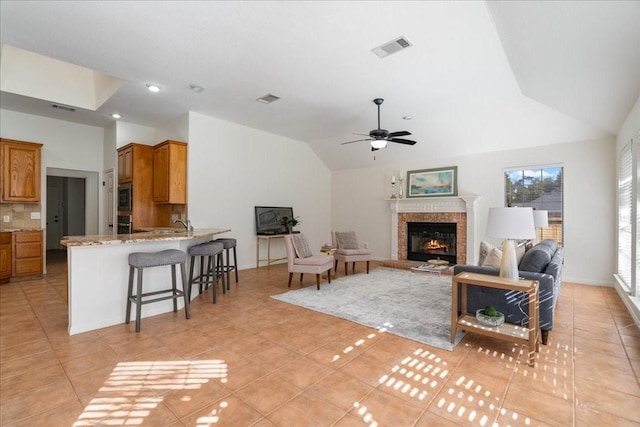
[
  {"x": 156, "y": 234},
  {"x": 11, "y": 230}
]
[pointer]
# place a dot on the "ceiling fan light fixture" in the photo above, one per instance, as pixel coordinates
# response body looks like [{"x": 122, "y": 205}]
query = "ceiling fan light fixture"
[
  {"x": 379, "y": 143},
  {"x": 153, "y": 88}
]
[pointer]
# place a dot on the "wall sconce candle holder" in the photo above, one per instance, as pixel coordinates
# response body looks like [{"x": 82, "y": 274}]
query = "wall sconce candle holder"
[{"x": 393, "y": 187}]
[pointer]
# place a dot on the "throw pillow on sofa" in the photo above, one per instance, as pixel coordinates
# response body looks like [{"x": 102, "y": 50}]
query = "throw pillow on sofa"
[
  {"x": 537, "y": 258},
  {"x": 493, "y": 259},
  {"x": 485, "y": 248}
]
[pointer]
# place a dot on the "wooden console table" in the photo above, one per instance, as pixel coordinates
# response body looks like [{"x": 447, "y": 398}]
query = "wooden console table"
[
  {"x": 507, "y": 331},
  {"x": 268, "y": 259}
]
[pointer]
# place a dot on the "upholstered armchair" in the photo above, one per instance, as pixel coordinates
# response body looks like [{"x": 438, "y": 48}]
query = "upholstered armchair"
[
  {"x": 301, "y": 260},
  {"x": 348, "y": 250}
]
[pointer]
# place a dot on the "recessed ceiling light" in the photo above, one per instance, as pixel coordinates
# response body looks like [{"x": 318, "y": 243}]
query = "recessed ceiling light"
[
  {"x": 407, "y": 117},
  {"x": 196, "y": 88},
  {"x": 116, "y": 116},
  {"x": 153, "y": 88}
]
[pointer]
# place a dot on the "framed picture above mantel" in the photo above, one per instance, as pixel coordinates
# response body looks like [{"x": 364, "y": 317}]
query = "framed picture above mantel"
[{"x": 438, "y": 182}]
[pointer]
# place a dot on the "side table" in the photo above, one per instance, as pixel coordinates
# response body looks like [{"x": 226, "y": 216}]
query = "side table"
[
  {"x": 268, "y": 259},
  {"x": 507, "y": 331}
]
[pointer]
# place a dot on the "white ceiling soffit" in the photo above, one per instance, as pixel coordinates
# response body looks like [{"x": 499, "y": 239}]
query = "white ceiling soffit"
[
  {"x": 581, "y": 58},
  {"x": 38, "y": 76}
]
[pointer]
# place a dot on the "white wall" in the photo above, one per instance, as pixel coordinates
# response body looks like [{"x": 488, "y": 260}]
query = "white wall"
[
  {"x": 66, "y": 145},
  {"x": 176, "y": 130},
  {"x": 631, "y": 126},
  {"x": 233, "y": 168},
  {"x": 357, "y": 199},
  {"x": 129, "y": 132}
]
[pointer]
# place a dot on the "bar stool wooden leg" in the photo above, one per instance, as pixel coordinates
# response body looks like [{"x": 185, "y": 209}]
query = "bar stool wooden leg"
[
  {"x": 187, "y": 307},
  {"x": 139, "y": 300},
  {"x": 235, "y": 263},
  {"x": 129, "y": 295},
  {"x": 174, "y": 287}
]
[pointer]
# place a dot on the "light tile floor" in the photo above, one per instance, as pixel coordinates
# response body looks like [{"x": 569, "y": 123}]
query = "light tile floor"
[{"x": 253, "y": 361}]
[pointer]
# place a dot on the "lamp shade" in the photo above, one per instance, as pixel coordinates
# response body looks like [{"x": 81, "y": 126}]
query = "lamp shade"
[
  {"x": 540, "y": 218},
  {"x": 511, "y": 223}
]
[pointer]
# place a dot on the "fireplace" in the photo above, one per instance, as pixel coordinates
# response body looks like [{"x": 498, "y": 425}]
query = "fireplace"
[
  {"x": 431, "y": 240},
  {"x": 459, "y": 210}
]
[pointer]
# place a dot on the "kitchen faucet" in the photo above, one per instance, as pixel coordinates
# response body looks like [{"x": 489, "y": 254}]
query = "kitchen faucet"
[{"x": 187, "y": 225}]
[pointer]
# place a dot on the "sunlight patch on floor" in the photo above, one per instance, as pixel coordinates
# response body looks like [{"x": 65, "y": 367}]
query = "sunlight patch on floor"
[{"x": 130, "y": 393}]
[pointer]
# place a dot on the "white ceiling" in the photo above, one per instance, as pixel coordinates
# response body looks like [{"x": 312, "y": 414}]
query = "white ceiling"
[{"x": 479, "y": 77}]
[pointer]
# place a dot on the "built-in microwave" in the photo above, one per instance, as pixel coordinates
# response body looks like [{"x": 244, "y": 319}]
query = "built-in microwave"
[{"x": 125, "y": 197}]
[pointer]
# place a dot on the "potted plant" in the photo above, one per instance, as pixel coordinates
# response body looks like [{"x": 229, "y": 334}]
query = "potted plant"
[
  {"x": 290, "y": 222},
  {"x": 489, "y": 316}
]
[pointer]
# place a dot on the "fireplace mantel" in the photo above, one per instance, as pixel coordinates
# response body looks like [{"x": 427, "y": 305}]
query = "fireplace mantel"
[{"x": 435, "y": 205}]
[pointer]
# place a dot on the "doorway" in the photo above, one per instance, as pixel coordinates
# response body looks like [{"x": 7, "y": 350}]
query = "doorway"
[
  {"x": 66, "y": 209},
  {"x": 77, "y": 204}
]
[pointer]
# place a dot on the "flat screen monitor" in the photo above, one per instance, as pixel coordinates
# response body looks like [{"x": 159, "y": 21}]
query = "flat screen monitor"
[{"x": 269, "y": 219}]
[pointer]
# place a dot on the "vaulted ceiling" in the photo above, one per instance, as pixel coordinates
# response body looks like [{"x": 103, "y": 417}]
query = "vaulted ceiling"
[{"x": 478, "y": 76}]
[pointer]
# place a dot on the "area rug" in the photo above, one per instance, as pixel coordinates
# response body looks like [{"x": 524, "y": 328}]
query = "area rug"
[{"x": 414, "y": 305}]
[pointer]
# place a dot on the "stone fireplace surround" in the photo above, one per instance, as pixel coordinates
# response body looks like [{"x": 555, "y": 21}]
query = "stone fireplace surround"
[{"x": 458, "y": 209}]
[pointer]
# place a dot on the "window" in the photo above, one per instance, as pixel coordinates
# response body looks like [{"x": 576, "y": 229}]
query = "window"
[
  {"x": 625, "y": 218},
  {"x": 539, "y": 188}
]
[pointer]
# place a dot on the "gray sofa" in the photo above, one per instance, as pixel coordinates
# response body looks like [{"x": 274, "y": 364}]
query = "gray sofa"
[{"x": 543, "y": 262}]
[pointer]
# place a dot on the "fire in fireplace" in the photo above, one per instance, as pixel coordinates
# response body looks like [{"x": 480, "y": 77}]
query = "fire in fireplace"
[{"x": 431, "y": 240}]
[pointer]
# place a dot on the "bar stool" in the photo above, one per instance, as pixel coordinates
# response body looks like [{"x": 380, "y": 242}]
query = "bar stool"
[
  {"x": 209, "y": 274},
  {"x": 229, "y": 243},
  {"x": 141, "y": 260}
]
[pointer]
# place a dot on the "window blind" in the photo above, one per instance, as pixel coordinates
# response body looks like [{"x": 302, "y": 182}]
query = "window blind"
[{"x": 625, "y": 215}]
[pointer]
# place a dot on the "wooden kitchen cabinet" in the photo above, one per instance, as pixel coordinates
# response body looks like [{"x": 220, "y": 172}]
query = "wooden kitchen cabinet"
[
  {"x": 20, "y": 171},
  {"x": 5, "y": 257},
  {"x": 125, "y": 164},
  {"x": 27, "y": 253},
  {"x": 170, "y": 172},
  {"x": 137, "y": 161}
]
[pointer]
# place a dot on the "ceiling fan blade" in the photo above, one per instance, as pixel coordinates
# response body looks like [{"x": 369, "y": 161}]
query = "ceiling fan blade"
[
  {"x": 399, "y": 133},
  {"x": 357, "y": 140},
  {"x": 403, "y": 141}
]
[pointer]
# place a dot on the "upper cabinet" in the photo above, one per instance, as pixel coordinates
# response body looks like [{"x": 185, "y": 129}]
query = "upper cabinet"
[
  {"x": 125, "y": 164},
  {"x": 20, "y": 171},
  {"x": 170, "y": 172}
]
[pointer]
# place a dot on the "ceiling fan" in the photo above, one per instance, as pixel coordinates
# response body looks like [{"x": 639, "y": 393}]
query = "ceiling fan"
[{"x": 379, "y": 137}]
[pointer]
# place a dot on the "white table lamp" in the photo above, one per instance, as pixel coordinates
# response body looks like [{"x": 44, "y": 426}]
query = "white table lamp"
[
  {"x": 540, "y": 220},
  {"x": 510, "y": 224}
]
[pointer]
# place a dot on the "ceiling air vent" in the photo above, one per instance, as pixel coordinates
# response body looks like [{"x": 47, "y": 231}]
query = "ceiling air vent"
[
  {"x": 63, "y": 107},
  {"x": 268, "y": 99},
  {"x": 392, "y": 47}
]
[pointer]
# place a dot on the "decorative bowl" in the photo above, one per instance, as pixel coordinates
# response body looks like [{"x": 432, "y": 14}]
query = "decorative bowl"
[{"x": 489, "y": 320}]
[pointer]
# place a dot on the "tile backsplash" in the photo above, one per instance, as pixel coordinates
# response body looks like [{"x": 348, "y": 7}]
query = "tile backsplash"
[{"x": 20, "y": 215}]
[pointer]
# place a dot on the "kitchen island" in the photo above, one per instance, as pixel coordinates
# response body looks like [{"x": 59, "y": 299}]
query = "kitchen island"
[{"x": 98, "y": 274}]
